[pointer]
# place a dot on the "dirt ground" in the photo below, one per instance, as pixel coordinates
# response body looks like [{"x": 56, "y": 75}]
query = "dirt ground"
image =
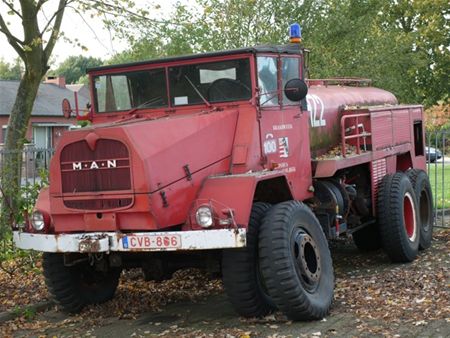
[{"x": 373, "y": 298}]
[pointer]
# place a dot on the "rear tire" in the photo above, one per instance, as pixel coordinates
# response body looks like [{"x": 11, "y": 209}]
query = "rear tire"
[
  {"x": 241, "y": 274},
  {"x": 76, "y": 286},
  {"x": 422, "y": 189},
  {"x": 296, "y": 262},
  {"x": 398, "y": 218}
]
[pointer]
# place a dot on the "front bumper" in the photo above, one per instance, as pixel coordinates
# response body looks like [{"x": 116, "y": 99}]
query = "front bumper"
[{"x": 132, "y": 242}]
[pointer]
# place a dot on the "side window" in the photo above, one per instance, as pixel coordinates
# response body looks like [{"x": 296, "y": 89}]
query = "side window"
[
  {"x": 100, "y": 89},
  {"x": 418, "y": 138},
  {"x": 289, "y": 70},
  {"x": 267, "y": 80}
]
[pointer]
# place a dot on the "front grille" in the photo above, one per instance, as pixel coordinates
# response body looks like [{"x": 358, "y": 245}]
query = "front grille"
[
  {"x": 98, "y": 204},
  {"x": 106, "y": 168}
]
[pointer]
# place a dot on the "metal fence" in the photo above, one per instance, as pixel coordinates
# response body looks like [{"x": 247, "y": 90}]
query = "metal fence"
[
  {"x": 34, "y": 162},
  {"x": 438, "y": 165}
]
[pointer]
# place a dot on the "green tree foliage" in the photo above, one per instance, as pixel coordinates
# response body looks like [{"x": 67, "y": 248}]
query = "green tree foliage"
[
  {"x": 402, "y": 45},
  {"x": 425, "y": 26},
  {"x": 10, "y": 71},
  {"x": 74, "y": 67}
]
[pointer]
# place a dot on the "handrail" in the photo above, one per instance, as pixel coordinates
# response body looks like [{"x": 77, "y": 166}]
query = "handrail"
[{"x": 356, "y": 136}]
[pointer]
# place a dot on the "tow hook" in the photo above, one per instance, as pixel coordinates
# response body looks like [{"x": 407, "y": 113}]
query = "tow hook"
[
  {"x": 91, "y": 244},
  {"x": 88, "y": 245}
]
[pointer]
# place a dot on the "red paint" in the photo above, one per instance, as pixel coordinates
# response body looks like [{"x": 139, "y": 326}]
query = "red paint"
[
  {"x": 330, "y": 103},
  {"x": 168, "y": 161},
  {"x": 409, "y": 217}
]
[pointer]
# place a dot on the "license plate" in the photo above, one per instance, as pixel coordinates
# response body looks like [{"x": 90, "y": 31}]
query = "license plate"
[{"x": 151, "y": 242}]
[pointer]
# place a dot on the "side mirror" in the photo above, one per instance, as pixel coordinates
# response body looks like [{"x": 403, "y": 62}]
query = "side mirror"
[{"x": 295, "y": 90}]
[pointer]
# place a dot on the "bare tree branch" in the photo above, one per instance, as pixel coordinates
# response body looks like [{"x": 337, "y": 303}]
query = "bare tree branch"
[
  {"x": 13, "y": 41},
  {"x": 88, "y": 25},
  {"x": 11, "y": 7},
  {"x": 39, "y": 4},
  {"x": 115, "y": 10},
  {"x": 56, "y": 28},
  {"x": 49, "y": 22}
]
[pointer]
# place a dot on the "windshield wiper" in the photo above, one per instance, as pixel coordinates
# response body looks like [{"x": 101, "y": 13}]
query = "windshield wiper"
[
  {"x": 142, "y": 105},
  {"x": 198, "y": 92},
  {"x": 274, "y": 94}
]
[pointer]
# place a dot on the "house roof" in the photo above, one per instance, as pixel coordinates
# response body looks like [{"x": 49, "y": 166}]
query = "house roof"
[{"x": 48, "y": 100}]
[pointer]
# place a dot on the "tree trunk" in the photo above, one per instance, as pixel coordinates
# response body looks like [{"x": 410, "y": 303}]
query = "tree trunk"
[{"x": 15, "y": 139}]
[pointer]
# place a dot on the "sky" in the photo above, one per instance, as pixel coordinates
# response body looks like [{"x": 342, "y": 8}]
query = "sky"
[{"x": 89, "y": 31}]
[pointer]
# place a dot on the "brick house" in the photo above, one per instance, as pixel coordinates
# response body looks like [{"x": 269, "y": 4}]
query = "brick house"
[{"x": 47, "y": 121}]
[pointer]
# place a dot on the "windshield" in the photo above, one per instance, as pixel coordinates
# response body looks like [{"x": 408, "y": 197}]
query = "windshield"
[
  {"x": 199, "y": 83},
  {"x": 214, "y": 81},
  {"x": 143, "y": 89}
]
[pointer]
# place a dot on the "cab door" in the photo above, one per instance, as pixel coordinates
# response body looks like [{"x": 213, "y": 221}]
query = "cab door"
[{"x": 284, "y": 129}]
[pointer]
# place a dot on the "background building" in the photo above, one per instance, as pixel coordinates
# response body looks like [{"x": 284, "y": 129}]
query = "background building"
[{"x": 47, "y": 121}]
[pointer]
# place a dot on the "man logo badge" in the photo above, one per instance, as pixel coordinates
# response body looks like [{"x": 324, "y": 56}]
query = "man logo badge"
[{"x": 94, "y": 165}]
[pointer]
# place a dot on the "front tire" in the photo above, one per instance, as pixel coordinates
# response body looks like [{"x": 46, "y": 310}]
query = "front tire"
[
  {"x": 241, "y": 274},
  {"x": 398, "y": 218},
  {"x": 296, "y": 262},
  {"x": 73, "y": 287}
]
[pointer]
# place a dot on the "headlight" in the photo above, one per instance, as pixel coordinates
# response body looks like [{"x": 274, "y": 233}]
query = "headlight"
[
  {"x": 204, "y": 217},
  {"x": 37, "y": 221}
]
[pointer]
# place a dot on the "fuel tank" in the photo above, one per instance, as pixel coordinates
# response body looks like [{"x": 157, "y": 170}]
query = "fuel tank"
[{"x": 326, "y": 104}]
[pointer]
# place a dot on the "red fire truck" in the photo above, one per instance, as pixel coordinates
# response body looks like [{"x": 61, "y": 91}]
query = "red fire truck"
[{"x": 236, "y": 157}]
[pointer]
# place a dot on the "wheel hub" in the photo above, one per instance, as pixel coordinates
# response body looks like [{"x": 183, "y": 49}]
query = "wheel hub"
[
  {"x": 409, "y": 217},
  {"x": 307, "y": 256}
]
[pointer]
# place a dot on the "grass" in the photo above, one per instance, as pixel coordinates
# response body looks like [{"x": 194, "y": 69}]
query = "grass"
[{"x": 440, "y": 185}]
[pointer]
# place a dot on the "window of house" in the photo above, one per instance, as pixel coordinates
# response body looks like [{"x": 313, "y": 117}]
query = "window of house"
[
  {"x": 4, "y": 131},
  {"x": 42, "y": 137}
]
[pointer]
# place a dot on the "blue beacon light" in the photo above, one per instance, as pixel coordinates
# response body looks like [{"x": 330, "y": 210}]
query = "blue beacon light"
[{"x": 295, "y": 33}]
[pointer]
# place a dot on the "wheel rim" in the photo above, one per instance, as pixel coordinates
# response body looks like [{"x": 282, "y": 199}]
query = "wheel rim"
[
  {"x": 307, "y": 259},
  {"x": 409, "y": 217},
  {"x": 425, "y": 211}
]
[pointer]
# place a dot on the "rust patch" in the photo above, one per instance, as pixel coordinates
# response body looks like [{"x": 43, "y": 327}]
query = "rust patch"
[{"x": 89, "y": 245}]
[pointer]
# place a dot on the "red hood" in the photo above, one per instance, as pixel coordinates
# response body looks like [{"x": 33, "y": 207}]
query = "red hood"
[
  {"x": 161, "y": 151},
  {"x": 171, "y": 147}
]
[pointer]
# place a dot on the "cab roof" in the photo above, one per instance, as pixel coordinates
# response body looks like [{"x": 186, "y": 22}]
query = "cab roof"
[{"x": 291, "y": 48}]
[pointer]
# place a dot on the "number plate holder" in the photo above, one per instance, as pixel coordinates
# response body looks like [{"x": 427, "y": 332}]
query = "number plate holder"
[{"x": 151, "y": 242}]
